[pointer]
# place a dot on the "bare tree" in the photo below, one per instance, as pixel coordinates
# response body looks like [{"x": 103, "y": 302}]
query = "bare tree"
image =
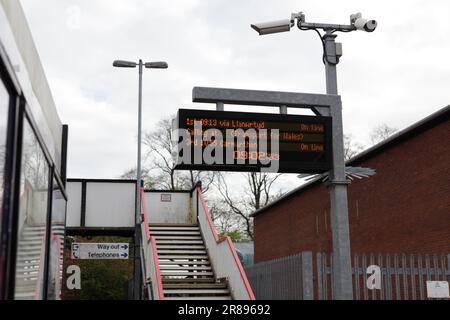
[
  {"x": 351, "y": 147},
  {"x": 258, "y": 193},
  {"x": 225, "y": 220},
  {"x": 147, "y": 179},
  {"x": 160, "y": 164},
  {"x": 381, "y": 132}
]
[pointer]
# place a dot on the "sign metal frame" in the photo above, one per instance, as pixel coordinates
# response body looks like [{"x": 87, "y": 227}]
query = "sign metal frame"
[{"x": 322, "y": 105}]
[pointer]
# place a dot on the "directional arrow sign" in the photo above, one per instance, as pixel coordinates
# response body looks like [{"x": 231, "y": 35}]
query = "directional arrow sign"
[{"x": 100, "y": 250}]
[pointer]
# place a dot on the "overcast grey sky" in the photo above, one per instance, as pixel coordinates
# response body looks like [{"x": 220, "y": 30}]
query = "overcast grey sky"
[{"x": 396, "y": 75}]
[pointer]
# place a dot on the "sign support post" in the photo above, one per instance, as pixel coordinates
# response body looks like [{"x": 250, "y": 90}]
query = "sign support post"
[{"x": 342, "y": 272}]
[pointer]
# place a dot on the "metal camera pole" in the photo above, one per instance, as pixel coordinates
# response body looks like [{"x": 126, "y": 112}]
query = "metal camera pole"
[{"x": 342, "y": 272}]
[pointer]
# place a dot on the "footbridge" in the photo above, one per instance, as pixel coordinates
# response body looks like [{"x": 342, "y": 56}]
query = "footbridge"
[{"x": 180, "y": 253}]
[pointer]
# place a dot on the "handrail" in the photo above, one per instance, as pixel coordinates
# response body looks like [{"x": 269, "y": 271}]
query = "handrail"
[
  {"x": 230, "y": 245},
  {"x": 144, "y": 208},
  {"x": 152, "y": 241},
  {"x": 241, "y": 269},
  {"x": 208, "y": 216},
  {"x": 158, "y": 272},
  {"x": 57, "y": 238}
]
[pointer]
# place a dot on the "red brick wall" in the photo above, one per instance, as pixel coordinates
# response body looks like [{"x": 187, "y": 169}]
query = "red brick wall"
[{"x": 404, "y": 208}]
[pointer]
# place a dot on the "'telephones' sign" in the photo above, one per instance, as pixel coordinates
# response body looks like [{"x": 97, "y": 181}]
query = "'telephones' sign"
[{"x": 100, "y": 250}]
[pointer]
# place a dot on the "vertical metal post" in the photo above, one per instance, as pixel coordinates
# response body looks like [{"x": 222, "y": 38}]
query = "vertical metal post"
[
  {"x": 342, "y": 273},
  {"x": 307, "y": 276},
  {"x": 219, "y": 106},
  {"x": 138, "y": 170},
  {"x": 137, "y": 233}
]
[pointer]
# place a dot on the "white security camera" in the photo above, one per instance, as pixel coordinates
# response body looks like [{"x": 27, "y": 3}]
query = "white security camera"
[
  {"x": 362, "y": 24},
  {"x": 273, "y": 26}
]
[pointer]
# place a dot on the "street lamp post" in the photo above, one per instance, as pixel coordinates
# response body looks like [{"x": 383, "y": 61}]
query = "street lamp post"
[
  {"x": 138, "y": 214},
  {"x": 332, "y": 51}
]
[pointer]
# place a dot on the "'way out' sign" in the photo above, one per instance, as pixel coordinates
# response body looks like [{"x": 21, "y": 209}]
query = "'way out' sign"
[{"x": 100, "y": 250}]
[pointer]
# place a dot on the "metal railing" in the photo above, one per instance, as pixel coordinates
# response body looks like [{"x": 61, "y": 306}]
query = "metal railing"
[
  {"x": 403, "y": 277},
  {"x": 287, "y": 278},
  {"x": 297, "y": 277},
  {"x": 151, "y": 272},
  {"x": 222, "y": 253}
]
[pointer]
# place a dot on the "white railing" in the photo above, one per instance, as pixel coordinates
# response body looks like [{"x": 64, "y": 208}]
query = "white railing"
[
  {"x": 152, "y": 273},
  {"x": 222, "y": 253}
]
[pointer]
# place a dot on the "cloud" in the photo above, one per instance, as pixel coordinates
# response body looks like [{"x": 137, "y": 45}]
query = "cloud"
[{"x": 396, "y": 75}]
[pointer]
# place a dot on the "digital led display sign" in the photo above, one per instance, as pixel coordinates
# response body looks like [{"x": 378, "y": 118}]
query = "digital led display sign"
[{"x": 242, "y": 141}]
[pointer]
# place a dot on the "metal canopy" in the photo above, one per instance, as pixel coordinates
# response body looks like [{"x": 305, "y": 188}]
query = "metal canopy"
[{"x": 264, "y": 98}]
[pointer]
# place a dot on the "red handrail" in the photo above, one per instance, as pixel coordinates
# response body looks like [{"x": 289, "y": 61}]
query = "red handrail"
[
  {"x": 230, "y": 244},
  {"x": 158, "y": 272},
  {"x": 241, "y": 269},
  {"x": 208, "y": 216},
  {"x": 153, "y": 244}
]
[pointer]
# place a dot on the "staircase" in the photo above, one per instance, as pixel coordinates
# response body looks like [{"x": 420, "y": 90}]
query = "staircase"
[
  {"x": 29, "y": 260},
  {"x": 185, "y": 267}
]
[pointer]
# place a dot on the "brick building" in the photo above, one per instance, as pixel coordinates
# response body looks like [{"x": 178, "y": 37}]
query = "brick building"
[{"x": 404, "y": 208}]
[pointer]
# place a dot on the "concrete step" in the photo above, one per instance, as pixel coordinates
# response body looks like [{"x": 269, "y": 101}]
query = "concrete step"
[
  {"x": 203, "y": 292},
  {"x": 25, "y": 285},
  {"x": 28, "y": 270},
  {"x": 160, "y": 241},
  {"x": 184, "y": 247},
  {"x": 188, "y": 280},
  {"x": 28, "y": 227},
  {"x": 182, "y": 273},
  {"x": 200, "y": 298},
  {"x": 174, "y": 233},
  {"x": 183, "y": 257},
  {"x": 33, "y": 232},
  {"x": 31, "y": 277},
  {"x": 175, "y": 238},
  {"x": 28, "y": 264},
  {"x": 174, "y": 227},
  {"x": 211, "y": 285},
  {"x": 29, "y": 248},
  {"x": 183, "y": 252},
  {"x": 32, "y": 237},
  {"x": 180, "y": 262},
  {"x": 25, "y": 255},
  {"x": 25, "y": 289},
  {"x": 24, "y": 296},
  {"x": 27, "y": 267},
  {"x": 162, "y": 267},
  {"x": 24, "y": 243}
]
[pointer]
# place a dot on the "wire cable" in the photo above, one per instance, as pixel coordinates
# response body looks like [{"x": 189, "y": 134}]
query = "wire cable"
[{"x": 325, "y": 59}]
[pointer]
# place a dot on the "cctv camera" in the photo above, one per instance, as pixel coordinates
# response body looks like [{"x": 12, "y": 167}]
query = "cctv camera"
[
  {"x": 273, "y": 26},
  {"x": 362, "y": 24},
  {"x": 366, "y": 25}
]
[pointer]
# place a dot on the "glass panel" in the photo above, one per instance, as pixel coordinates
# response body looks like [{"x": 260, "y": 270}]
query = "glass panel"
[
  {"x": 32, "y": 218},
  {"x": 56, "y": 243},
  {"x": 4, "y": 103}
]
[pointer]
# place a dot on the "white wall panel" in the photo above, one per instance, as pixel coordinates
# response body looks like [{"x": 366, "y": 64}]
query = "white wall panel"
[
  {"x": 73, "y": 204},
  {"x": 169, "y": 207},
  {"x": 110, "y": 204}
]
